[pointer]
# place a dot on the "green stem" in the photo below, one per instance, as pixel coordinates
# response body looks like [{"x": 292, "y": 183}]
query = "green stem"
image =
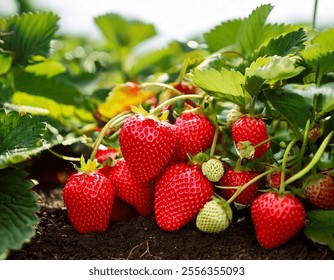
[
  {"x": 64, "y": 157},
  {"x": 112, "y": 122},
  {"x": 174, "y": 99},
  {"x": 183, "y": 69},
  {"x": 285, "y": 159},
  {"x": 303, "y": 148},
  {"x": 157, "y": 84},
  {"x": 240, "y": 189},
  {"x": 214, "y": 141},
  {"x": 312, "y": 163},
  {"x": 315, "y": 14}
]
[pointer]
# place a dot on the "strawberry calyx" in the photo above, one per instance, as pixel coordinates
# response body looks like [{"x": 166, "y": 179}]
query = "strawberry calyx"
[{"x": 88, "y": 166}]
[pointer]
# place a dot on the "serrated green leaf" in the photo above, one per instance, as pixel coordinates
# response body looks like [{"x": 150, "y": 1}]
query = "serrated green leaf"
[
  {"x": 18, "y": 207},
  {"x": 68, "y": 115},
  {"x": 274, "y": 30},
  {"x": 246, "y": 35},
  {"x": 222, "y": 35},
  {"x": 41, "y": 66},
  {"x": 30, "y": 34},
  {"x": 322, "y": 96},
  {"x": 274, "y": 68},
  {"x": 21, "y": 137},
  {"x": 319, "y": 227},
  {"x": 251, "y": 28},
  {"x": 226, "y": 85},
  {"x": 121, "y": 32},
  {"x": 296, "y": 109},
  {"x": 290, "y": 43},
  {"x": 57, "y": 88},
  {"x": 152, "y": 61}
]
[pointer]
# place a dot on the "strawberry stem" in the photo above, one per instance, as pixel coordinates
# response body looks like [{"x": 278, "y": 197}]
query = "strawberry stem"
[
  {"x": 64, "y": 157},
  {"x": 183, "y": 69},
  {"x": 143, "y": 85},
  {"x": 285, "y": 159},
  {"x": 112, "y": 122},
  {"x": 214, "y": 141},
  {"x": 303, "y": 148},
  {"x": 174, "y": 99},
  {"x": 312, "y": 163}
]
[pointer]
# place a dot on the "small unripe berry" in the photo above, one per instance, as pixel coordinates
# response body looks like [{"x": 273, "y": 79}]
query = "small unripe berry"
[{"x": 213, "y": 169}]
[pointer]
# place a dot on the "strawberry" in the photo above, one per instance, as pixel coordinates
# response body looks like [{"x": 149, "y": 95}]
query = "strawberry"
[
  {"x": 274, "y": 179},
  {"x": 147, "y": 145},
  {"x": 213, "y": 169},
  {"x": 233, "y": 178},
  {"x": 106, "y": 155},
  {"x": 214, "y": 217},
  {"x": 88, "y": 196},
  {"x": 319, "y": 190},
  {"x": 122, "y": 211},
  {"x": 250, "y": 131},
  {"x": 196, "y": 134},
  {"x": 180, "y": 192},
  {"x": 276, "y": 218},
  {"x": 138, "y": 194}
]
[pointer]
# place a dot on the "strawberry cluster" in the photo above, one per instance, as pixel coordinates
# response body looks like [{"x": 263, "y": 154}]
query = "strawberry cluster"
[{"x": 171, "y": 171}]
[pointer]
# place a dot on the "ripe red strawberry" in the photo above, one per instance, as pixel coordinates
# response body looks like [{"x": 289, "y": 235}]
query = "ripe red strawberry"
[
  {"x": 88, "y": 197},
  {"x": 181, "y": 191},
  {"x": 274, "y": 179},
  {"x": 106, "y": 155},
  {"x": 196, "y": 134},
  {"x": 319, "y": 190},
  {"x": 147, "y": 145},
  {"x": 138, "y": 194},
  {"x": 276, "y": 218},
  {"x": 122, "y": 211},
  {"x": 250, "y": 130},
  {"x": 233, "y": 178}
]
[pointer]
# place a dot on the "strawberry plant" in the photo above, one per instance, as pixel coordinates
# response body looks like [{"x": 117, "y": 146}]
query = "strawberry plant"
[{"x": 243, "y": 121}]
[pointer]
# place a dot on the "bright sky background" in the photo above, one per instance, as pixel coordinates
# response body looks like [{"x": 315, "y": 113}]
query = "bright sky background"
[{"x": 177, "y": 19}]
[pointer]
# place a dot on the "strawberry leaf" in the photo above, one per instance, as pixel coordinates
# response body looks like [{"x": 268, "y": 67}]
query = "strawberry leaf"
[
  {"x": 245, "y": 34},
  {"x": 226, "y": 84},
  {"x": 18, "y": 205},
  {"x": 22, "y": 137},
  {"x": 319, "y": 227},
  {"x": 322, "y": 96},
  {"x": 251, "y": 28},
  {"x": 294, "y": 107},
  {"x": 274, "y": 68},
  {"x": 121, "y": 32},
  {"x": 222, "y": 35},
  {"x": 290, "y": 43},
  {"x": 30, "y": 34}
]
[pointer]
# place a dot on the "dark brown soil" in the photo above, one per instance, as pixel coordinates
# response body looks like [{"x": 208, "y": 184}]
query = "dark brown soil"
[{"x": 140, "y": 238}]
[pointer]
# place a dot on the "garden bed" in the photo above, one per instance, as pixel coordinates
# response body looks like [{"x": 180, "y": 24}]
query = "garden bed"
[{"x": 141, "y": 239}]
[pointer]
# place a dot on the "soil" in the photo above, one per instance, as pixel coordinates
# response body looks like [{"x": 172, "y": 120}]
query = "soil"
[{"x": 141, "y": 239}]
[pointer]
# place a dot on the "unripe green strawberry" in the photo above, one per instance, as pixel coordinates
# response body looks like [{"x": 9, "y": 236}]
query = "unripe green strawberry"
[
  {"x": 213, "y": 169},
  {"x": 233, "y": 115},
  {"x": 213, "y": 217}
]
